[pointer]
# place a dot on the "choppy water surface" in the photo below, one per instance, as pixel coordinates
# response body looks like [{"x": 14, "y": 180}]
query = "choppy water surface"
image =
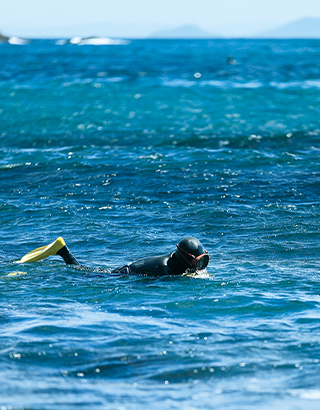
[{"x": 125, "y": 150}]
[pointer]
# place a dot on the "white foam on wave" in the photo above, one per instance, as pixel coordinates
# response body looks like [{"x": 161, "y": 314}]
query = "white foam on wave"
[
  {"x": 98, "y": 41},
  {"x": 178, "y": 83},
  {"x": 18, "y": 41},
  {"x": 61, "y": 42},
  {"x": 251, "y": 84},
  {"x": 75, "y": 40},
  {"x": 78, "y": 81},
  {"x": 215, "y": 83},
  {"x": 306, "y": 394},
  {"x": 203, "y": 274},
  {"x": 113, "y": 79},
  {"x": 296, "y": 84},
  {"x": 232, "y": 84},
  {"x": 306, "y": 84},
  {"x": 97, "y": 84}
]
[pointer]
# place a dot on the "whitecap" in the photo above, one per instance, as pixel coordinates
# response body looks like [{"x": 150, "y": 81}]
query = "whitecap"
[
  {"x": 215, "y": 83},
  {"x": 231, "y": 84},
  {"x": 282, "y": 85},
  {"x": 306, "y": 394},
  {"x": 178, "y": 83},
  {"x": 203, "y": 274},
  {"x": 311, "y": 84},
  {"x": 101, "y": 41},
  {"x": 18, "y": 41},
  {"x": 251, "y": 84},
  {"x": 75, "y": 40},
  {"x": 61, "y": 42},
  {"x": 296, "y": 84},
  {"x": 113, "y": 79}
]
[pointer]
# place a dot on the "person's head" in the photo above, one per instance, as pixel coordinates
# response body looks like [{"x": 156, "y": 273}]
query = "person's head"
[{"x": 191, "y": 254}]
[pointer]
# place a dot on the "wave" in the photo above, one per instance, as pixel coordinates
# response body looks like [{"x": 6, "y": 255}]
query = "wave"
[
  {"x": 97, "y": 41},
  {"x": 18, "y": 41},
  {"x": 305, "y": 84}
]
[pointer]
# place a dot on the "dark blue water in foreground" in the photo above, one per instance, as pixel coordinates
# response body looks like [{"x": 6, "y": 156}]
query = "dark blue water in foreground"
[{"x": 125, "y": 150}]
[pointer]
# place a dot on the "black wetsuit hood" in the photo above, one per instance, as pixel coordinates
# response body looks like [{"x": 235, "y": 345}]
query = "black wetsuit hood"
[{"x": 188, "y": 249}]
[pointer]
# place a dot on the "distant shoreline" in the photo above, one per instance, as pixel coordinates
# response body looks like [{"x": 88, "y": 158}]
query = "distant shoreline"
[
  {"x": 303, "y": 29},
  {"x": 4, "y": 40}
]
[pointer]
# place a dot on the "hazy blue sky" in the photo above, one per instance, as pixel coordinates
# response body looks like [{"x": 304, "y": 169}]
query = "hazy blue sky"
[{"x": 146, "y": 16}]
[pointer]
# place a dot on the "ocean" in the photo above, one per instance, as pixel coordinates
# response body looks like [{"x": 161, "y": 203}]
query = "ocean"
[{"x": 124, "y": 150}]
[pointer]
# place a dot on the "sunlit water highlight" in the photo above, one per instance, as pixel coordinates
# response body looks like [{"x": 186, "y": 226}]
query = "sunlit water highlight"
[{"x": 124, "y": 150}]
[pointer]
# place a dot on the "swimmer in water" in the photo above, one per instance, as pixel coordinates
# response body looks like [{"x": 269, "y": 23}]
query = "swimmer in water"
[{"x": 189, "y": 257}]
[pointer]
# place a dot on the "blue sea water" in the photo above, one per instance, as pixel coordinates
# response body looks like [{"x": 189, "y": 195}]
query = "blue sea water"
[{"x": 123, "y": 151}]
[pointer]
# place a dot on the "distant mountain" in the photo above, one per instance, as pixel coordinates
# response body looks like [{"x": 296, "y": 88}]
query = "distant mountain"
[
  {"x": 304, "y": 28},
  {"x": 98, "y": 29},
  {"x": 13, "y": 40},
  {"x": 3, "y": 38},
  {"x": 184, "y": 32}
]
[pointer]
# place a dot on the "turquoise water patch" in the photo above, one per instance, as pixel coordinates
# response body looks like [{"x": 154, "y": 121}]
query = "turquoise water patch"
[{"x": 124, "y": 151}]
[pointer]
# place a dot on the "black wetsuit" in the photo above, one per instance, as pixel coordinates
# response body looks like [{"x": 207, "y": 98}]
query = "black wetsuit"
[{"x": 152, "y": 265}]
